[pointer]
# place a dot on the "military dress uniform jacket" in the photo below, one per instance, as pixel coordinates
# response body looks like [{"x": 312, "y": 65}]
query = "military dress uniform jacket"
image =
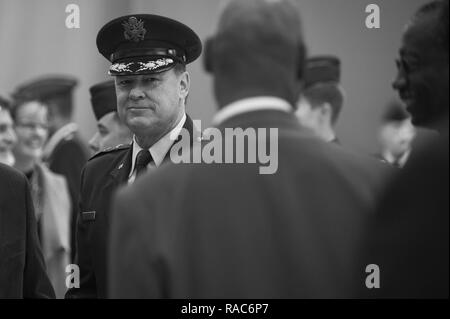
[
  {"x": 104, "y": 173},
  {"x": 22, "y": 266},
  {"x": 226, "y": 231}
]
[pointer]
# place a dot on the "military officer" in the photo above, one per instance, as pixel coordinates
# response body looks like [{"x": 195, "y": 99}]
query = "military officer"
[
  {"x": 395, "y": 135},
  {"x": 148, "y": 55},
  {"x": 65, "y": 152},
  {"x": 322, "y": 98},
  {"x": 22, "y": 265},
  {"x": 111, "y": 130}
]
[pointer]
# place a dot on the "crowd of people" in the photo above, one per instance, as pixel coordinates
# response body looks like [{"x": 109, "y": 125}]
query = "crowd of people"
[{"x": 138, "y": 225}]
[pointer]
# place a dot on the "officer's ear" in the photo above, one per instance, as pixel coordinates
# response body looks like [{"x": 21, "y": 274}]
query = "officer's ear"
[
  {"x": 185, "y": 83},
  {"x": 207, "y": 55}
]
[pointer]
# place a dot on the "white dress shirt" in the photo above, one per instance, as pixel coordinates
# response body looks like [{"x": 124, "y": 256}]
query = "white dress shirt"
[
  {"x": 391, "y": 158},
  {"x": 257, "y": 103},
  {"x": 157, "y": 150}
]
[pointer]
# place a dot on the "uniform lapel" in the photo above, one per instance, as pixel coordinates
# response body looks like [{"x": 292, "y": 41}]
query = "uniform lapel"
[{"x": 119, "y": 175}]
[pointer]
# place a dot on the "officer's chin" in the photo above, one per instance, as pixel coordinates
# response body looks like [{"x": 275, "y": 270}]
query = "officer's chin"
[{"x": 139, "y": 124}]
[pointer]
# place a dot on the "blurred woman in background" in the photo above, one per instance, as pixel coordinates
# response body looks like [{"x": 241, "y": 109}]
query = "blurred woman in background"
[{"x": 49, "y": 191}]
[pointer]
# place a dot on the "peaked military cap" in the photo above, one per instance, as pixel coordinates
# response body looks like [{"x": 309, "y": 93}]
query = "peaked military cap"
[
  {"x": 147, "y": 43},
  {"x": 321, "y": 69},
  {"x": 103, "y": 98},
  {"x": 45, "y": 87}
]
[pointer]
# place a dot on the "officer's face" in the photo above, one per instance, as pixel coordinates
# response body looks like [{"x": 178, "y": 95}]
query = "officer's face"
[
  {"x": 7, "y": 134},
  {"x": 151, "y": 105},
  {"x": 31, "y": 130},
  {"x": 111, "y": 132},
  {"x": 309, "y": 117},
  {"x": 422, "y": 79}
]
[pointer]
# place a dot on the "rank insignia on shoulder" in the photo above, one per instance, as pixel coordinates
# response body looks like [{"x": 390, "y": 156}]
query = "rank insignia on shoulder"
[{"x": 110, "y": 150}]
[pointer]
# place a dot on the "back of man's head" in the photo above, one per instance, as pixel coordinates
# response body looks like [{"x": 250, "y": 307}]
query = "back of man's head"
[
  {"x": 258, "y": 49},
  {"x": 438, "y": 11}
]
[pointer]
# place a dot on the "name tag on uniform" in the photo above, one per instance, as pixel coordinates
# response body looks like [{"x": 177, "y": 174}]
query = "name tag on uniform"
[{"x": 87, "y": 216}]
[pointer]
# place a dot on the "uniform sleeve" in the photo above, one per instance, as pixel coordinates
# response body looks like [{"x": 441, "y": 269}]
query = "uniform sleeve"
[
  {"x": 36, "y": 283},
  {"x": 83, "y": 258}
]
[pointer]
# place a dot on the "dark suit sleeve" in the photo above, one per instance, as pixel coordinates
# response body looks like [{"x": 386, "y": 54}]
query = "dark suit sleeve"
[
  {"x": 83, "y": 257},
  {"x": 131, "y": 238},
  {"x": 36, "y": 283}
]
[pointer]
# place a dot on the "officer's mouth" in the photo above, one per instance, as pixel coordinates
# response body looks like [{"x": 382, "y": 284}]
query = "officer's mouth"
[{"x": 139, "y": 108}]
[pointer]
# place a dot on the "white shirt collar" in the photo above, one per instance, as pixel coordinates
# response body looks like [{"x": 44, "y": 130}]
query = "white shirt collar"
[
  {"x": 7, "y": 158},
  {"x": 256, "y": 103},
  {"x": 160, "y": 148},
  {"x": 59, "y": 135},
  {"x": 391, "y": 159}
]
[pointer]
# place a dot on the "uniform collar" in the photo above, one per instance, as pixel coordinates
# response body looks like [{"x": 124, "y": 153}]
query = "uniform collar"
[
  {"x": 256, "y": 103},
  {"x": 160, "y": 148},
  {"x": 58, "y": 136},
  {"x": 392, "y": 160}
]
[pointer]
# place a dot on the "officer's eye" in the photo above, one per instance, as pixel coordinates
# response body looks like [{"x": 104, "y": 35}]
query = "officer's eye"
[
  {"x": 125, "y": 82},
  {"x": 3, "y": 128},
  {"x": 150, "y": 80}
]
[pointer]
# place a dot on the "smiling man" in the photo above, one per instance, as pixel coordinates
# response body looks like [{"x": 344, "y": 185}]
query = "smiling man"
[
  {"x": 422, "y": 78},
  {"x": 409, "y": 237},
  {"x": 149, "y": 54}
]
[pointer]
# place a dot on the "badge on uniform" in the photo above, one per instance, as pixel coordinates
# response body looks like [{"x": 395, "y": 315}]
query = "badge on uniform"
[{"x": 88, "y": 216}]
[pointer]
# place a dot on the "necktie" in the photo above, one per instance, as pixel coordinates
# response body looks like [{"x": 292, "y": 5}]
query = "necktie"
[{"x": 142, "y": 159}]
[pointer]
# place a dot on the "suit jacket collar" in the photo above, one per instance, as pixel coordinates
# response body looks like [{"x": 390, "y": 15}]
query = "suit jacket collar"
[
  {"x": 64, "y": 132},
  {"x": 265, "y": 119}
]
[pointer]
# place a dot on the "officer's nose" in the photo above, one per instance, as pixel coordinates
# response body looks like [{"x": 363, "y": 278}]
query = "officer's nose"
[
  {"x": 137, "y": 93},
  {"x": 94, "y": 143}
]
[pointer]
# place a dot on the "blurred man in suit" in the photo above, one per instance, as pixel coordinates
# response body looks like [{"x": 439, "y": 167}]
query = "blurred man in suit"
[
  {"x": 7, "y": 135},
  {"x": 225, "y": 230},
  {"x": 395, "y": 135},
  {"x": 149, "y": 54},
  {"x": 111, "y": 130},
  {"x": 22, "y": 267},
  {"x": 409, "y": 238},
  {"x": 65, "y": 152},
  {"x": 322, "y": 97}
]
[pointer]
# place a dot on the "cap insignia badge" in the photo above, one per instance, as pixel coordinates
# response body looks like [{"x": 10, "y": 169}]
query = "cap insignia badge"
[{"x": 134, "y": 29}]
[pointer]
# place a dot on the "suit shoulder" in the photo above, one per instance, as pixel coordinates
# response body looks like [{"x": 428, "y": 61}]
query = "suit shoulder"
[
  {"x": 72, "y": 144},
  {"x": 108, "y": 155},
  {"x": 11, "y": 175}
]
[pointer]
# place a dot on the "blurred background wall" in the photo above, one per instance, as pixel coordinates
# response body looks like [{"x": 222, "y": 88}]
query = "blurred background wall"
[{"x": 35, "y": 41}]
